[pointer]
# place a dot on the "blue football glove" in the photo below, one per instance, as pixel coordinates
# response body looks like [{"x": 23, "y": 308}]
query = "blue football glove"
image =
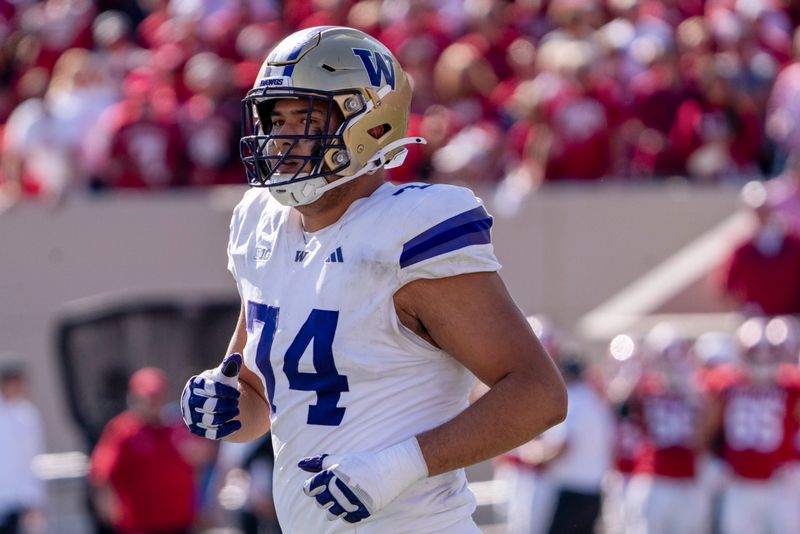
[
  {"x": 355, "y": 486},
  {"x": 210, "y": 400}
]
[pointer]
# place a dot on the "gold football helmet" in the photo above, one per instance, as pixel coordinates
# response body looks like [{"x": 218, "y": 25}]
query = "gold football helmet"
[{"x": 357, "y": 83}]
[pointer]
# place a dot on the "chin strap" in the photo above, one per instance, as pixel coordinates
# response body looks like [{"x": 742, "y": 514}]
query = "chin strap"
[
  {"x": 378, "y": 161},
  {"x": 310, "y": 190}
]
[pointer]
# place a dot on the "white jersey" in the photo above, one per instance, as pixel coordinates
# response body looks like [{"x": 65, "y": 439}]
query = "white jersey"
[{"x": 340, "y": 371}]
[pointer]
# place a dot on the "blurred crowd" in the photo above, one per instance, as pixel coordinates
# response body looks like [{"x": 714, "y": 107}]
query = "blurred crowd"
[
  {"x": 145, "y": 93},
  {"x": 666, "y": 433}
]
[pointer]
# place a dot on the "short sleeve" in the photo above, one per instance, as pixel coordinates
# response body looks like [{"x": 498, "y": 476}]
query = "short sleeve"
[
  {"x": 446, "y": 233},
  {"x": 237, "y": 236},
  {"x": 233, "y": 231}
]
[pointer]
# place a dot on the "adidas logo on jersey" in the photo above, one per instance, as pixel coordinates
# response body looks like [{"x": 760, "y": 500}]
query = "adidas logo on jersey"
[{"x": 335, "y": 257}]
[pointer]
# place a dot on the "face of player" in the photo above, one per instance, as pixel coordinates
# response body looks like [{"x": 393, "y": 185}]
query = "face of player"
[
  {"x": 677, "y": 375},
  {"x": 148, "y": 408},
  {"x": 762, "y": 364},
  {"x": 13, "y": 389},
  {"x": 299, "y": 117}
]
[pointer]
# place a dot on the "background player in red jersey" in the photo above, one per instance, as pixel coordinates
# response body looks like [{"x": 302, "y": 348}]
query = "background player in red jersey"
[
  {"x": 717, "y": 355},
  {"x": 624, "y": 369},
  {"x": 663, "y": 495},
  {"x": 757, "y": 414}
]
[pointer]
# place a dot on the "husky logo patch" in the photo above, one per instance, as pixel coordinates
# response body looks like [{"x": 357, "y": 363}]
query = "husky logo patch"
[{"x": 378, "y": 66}]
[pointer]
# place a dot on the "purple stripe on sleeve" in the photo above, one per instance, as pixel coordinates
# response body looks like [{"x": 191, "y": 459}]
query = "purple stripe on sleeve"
[{"x": 465, "y": 229}]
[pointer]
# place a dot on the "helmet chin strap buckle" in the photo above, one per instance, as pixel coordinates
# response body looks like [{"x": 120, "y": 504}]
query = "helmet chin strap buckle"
[{"x": 311, "y": 190}]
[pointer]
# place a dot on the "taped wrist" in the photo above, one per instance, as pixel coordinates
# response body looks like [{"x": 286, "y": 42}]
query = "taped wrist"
[{"x": 408, "y": 467}]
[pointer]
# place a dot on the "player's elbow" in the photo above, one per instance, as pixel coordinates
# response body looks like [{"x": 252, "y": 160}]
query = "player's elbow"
[
  {"x": 560, "y": 403},
  {"x": 553, "y": 402},
  {"x": 546, "y": 402}
]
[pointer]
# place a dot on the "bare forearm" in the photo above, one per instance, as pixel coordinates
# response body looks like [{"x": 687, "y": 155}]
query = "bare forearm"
[
  {"x": 512, "y": 413},
  {"x": 253, "y": 413},
  {"x": 253, "y": 406}
]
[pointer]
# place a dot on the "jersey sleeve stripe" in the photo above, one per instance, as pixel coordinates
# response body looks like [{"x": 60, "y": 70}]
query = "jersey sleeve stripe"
[{"x": 465, "y": 229}]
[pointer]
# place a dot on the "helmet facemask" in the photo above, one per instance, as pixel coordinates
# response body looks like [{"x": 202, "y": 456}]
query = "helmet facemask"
[{"x": 278, "y": 160}]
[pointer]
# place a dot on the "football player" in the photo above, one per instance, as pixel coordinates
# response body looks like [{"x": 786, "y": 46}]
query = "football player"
[
  {"x": 623, "y": 369},
  {"x": 368, "y": 309},
  {"x": 531, "y": 493},
  {"x": 662, "y": 495},
  {"x": 783, "y": 334},
  {"x": 757, "y": 416},
  {"x": 717, "y": 354}
]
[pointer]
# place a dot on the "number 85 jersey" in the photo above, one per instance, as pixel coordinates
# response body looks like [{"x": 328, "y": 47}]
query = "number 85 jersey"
[{"x": 339, "y": 370}]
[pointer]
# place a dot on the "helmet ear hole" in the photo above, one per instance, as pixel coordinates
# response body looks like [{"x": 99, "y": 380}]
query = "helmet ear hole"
[
  {"x": 336, "y": 114},
  {"x": 379, "y": 131}
]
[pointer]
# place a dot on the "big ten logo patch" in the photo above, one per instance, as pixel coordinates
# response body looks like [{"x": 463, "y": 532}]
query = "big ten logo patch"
[{"x": 262, "y": 252}]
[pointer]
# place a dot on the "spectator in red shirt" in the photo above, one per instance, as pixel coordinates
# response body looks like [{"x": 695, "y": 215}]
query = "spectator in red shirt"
[
  {"x": 463, "y": 81},
  {"x": 58, "y": 26},
  {"x": 717, "y": 135},
  {"x": 143, "y": 482},
  {"x": 491, "y": 34},
  {"x": 142, "y": 145},
  {"x": 208, "y": 122},
  {"x": 115, "y": 48},
  {"x": 657, "y": 93},
  {"x": 578, "y": 144},
  {"x": 762, "y": 275},
  {"x": 521, "y": 57},
  {"x": 422, "y": 23},
  {"x": 783, "y": 192}
]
